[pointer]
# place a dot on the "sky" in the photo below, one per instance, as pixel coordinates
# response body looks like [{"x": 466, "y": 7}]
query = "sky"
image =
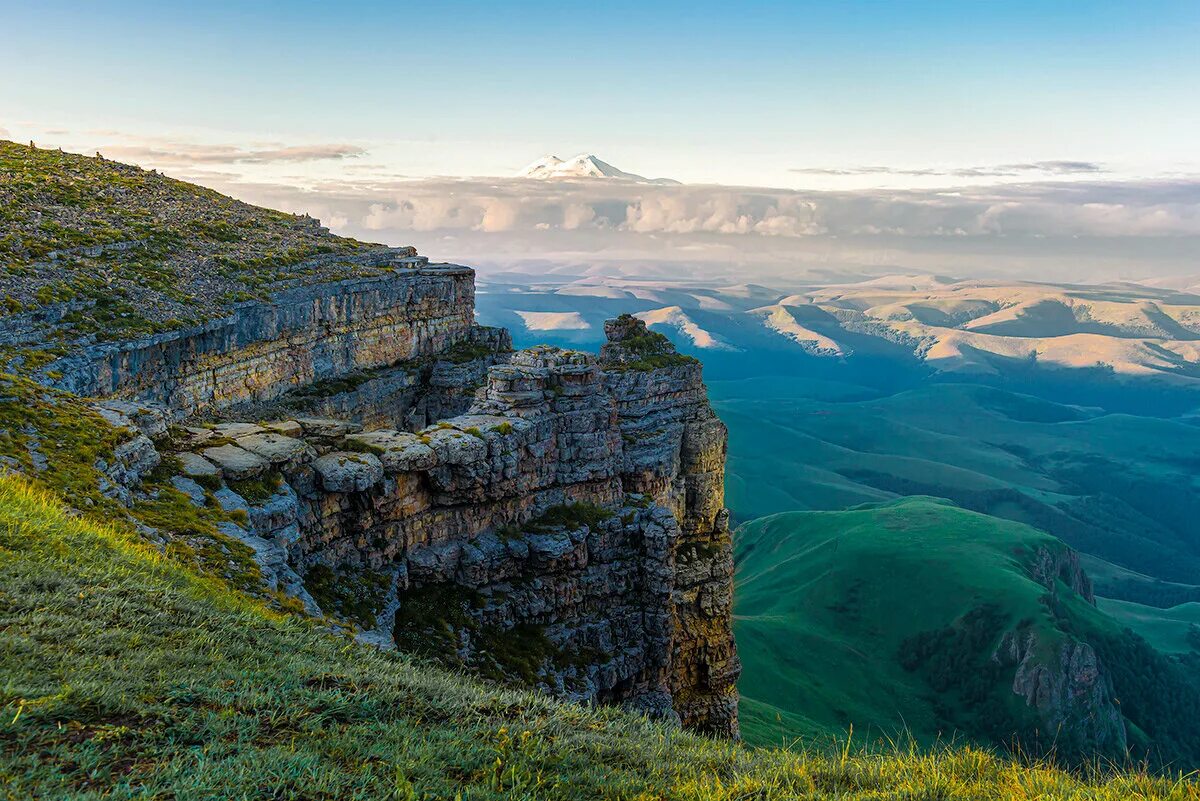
[
  {"x": 359, "y": 109},
  {"x": 703, "y": 92}
]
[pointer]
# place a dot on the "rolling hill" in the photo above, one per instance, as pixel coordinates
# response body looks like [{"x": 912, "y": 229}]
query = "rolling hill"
[
  {"x": 918, "y": 618},
  {"x": 1116, "y": 486}
]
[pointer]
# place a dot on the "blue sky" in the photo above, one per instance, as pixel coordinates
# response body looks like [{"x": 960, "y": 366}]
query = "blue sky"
[{"x": 702, "y": 92}]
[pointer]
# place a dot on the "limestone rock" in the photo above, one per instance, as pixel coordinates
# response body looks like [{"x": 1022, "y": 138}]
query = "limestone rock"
[
  {"x": 189, "y": 488},
  {"x": 148, "y": 418},
  {"x": 344, "y": 471},
  {"x": 235, "y": 430},
  {"x": 289, "y": 428},
  {"x": 236, "y": 463},
  {"x": 402, "y": 452},
  {"x": 274, "y": 447},
  {"x": 194, "y": 465},
  {"x": 321, "y": 427}
]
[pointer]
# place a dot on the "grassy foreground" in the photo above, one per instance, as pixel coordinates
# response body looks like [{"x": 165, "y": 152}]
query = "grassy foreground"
[{"x": 125, "y": 675}]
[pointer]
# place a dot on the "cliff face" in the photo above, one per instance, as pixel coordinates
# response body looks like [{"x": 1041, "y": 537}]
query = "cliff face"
[
  {"x": 1069, "y": 690},
  {"x": 260, "y": 351},
  {"x": 547, "y": 517}
]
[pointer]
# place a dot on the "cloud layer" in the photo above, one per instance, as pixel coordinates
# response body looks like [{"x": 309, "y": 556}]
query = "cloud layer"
[
  {"x": 1046, "y": 209},
  {"x": 1044, "y": 168},
  {"x": 1081, "y": 230},
  {"x": 172, "y": 152}
]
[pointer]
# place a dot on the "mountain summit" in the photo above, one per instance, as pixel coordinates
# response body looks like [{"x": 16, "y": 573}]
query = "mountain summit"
[{"x": 584, "y": 165}]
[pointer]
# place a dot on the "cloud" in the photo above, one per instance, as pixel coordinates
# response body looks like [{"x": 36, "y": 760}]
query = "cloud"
[
  {"x": 1082, "y": 229},
  {"x": 176, "y": 152},
  {"x": 4, "y": 134},
  {"x": 1081, "y": 208},
  {"x": 1050, "y": 168}
]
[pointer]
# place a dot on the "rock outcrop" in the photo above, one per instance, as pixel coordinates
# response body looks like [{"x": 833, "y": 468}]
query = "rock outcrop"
[
  {"x": 546, "y": 517},
  {"x": 261, "y": 351},
  {"x": 1068, "y": 689}
]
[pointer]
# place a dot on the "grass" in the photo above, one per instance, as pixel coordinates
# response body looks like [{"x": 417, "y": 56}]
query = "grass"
[
  {"x": 126, "y": 675},
  {"x": 176, "y": 253},
  {"x": 73, "y": 440},
  {"x": 887, "y": 617},
  {"x": 353, "y": 593},
  {"x": 1120, "y": 487}
]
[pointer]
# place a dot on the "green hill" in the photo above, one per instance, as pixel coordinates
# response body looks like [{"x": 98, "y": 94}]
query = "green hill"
[
  {"x": 897, "y": 618},
  {"x": 1116, "y": 486},
  {"x": 126, "y": 675}
]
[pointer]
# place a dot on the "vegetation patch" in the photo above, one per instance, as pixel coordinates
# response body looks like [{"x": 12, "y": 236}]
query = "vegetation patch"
[
  {"x": 569, "y": 516},
  {"x": 353, "y": 445},
  {"x": 465, "y": 351},
  {"x": 260, "y": 489},
  {"x": 120, "y": 666},
  {"x": 437, "y": 621},
  {"x": 352, "y": 593},
  {"x": 130, "y": 252}
]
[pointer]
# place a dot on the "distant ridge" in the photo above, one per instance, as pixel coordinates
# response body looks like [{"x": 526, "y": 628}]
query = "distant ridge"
[{"x": 585, "y": 166}]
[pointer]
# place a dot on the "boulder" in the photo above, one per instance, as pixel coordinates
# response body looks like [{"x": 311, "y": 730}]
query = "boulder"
[
  {"x": 149, "y": 419},
  {"x": 236, "y": 463},
  {"x": 189, "y": 488},
  {"x": 402, "y": 452},
  {"x": 454, "y": 447},
  {"x": 325, "y": 427},
  {"x": 343, "y": 471},
  {"x": 289, "y": 428},
  {"x": 235, "y": 430},
  {"x": 194, "y": 465},
  {"x": 274, "y": 447}
]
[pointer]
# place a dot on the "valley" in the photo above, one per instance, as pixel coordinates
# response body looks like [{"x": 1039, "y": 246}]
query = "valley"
[{"x": 848, "y": 418}]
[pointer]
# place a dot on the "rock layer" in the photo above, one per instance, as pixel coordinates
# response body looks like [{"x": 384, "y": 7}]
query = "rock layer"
[{"x": 263, "y": 350}]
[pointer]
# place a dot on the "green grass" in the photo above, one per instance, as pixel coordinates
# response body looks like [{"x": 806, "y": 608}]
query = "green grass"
[
  {"x": 885, "y": 619},
  {"x": 1123, "y": 488},
  {"x": 1175, "y": 630},
  {"x": 825, "y": 599},
  {"x": 126, "y": 675},
  {"x": 177, "y": 240}
]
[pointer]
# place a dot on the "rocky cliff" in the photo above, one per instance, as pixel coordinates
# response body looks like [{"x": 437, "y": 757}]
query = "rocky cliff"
[
  {"x": 548, "y": 518},
  {"x": 320, "y": 420}
]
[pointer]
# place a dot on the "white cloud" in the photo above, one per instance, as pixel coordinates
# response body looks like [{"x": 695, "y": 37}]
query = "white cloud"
[
  {"x": 1057, "y": 167},
  {"x": 188, "y": 153},
  {"x": 1083, "y": 229}
]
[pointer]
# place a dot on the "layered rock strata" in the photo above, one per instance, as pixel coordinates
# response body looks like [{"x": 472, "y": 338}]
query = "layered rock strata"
[
  {"x": 567, "y": 531},
  {"x": 262, "y": 350}
]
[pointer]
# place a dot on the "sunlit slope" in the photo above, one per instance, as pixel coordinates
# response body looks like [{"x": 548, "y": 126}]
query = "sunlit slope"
[{"x": 825, "y": 599}]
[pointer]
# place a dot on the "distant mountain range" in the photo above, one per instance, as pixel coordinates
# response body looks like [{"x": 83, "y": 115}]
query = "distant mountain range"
[
  {"x": 583, "y": 166},
  {"x": 967, "y": 329}
]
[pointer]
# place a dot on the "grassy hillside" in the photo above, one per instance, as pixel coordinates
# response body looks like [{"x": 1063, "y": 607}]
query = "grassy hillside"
[
  {"x": 132, "y": 251},
  {"x": 125, "y": 675},
  {"x": 1116, "y": 486},
  {"x": 886, "y": 619}
]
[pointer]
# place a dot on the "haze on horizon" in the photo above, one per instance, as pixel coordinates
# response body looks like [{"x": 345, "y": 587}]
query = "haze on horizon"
[{"x": 1030, "y": 139}]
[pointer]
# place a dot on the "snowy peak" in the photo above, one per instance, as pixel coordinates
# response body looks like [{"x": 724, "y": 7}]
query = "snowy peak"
[{"x": 583, "y": 166}]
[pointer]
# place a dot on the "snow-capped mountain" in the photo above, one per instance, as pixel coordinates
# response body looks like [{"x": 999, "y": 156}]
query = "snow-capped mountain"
[{"x": 584, "y": 165}]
